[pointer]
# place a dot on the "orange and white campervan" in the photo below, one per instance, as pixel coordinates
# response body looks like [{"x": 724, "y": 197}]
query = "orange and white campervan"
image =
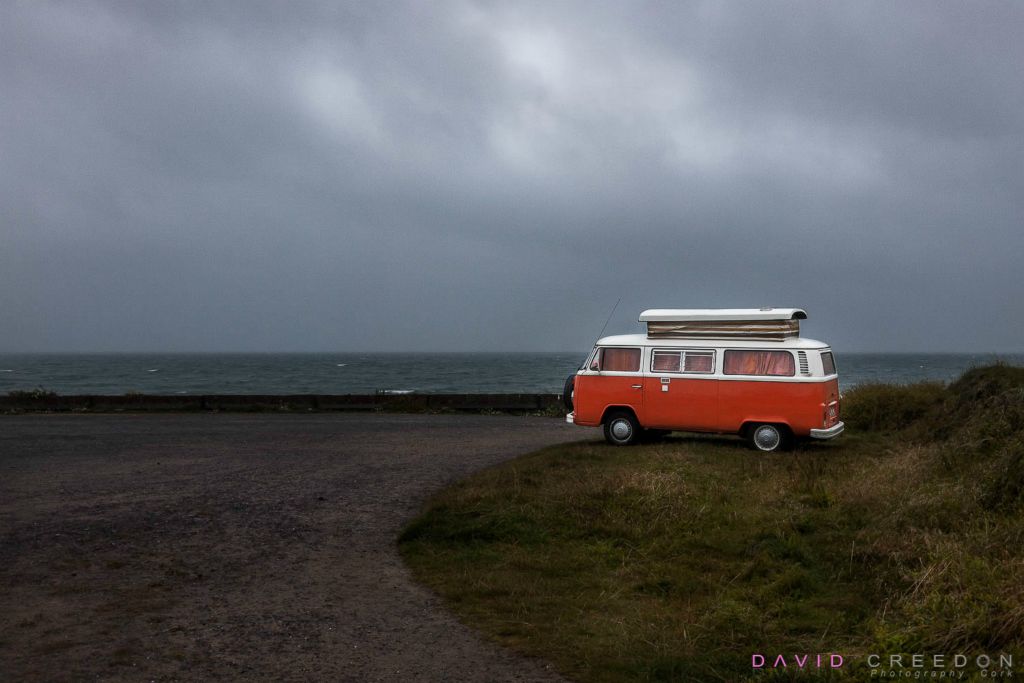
[{"x": 731, "y": 371}]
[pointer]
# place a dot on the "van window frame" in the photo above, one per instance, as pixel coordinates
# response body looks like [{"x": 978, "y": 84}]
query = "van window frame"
[
  {"x": 832, "y": 358},
  {"x": 682, "y": 361},
  {"x": 789, "y": 352},
  {"x": 598, "y": 359}
]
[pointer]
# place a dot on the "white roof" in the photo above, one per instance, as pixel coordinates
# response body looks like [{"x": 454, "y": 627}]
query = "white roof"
[
  {"x": 668, "y": 343},
  {"x": 709, "y": 314}
]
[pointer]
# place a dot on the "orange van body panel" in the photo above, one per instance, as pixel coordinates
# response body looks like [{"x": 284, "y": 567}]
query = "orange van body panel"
[
  {"x": 689, "y": 401},
  {"x": 595, "y": 393},
  {"x": 796, "y": 404},
  {"x": 829, "y": 395},
  {"x": 708, "y": 404}
]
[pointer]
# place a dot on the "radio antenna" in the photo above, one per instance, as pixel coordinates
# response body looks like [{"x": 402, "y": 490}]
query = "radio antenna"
[{"x": 609, "y": 318}]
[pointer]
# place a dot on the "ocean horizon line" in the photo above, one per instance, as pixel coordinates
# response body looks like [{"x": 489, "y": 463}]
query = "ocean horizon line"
[{"x": 360, "y": 372}]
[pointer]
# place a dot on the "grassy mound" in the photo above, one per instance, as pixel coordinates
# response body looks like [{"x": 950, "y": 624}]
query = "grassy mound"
[
  {"x": 878, "y": 407},
  {"x": 680, "y": 560}
]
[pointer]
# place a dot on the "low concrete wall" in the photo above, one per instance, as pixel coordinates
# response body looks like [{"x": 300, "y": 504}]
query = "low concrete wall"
[{"x": 142, "y": 403}]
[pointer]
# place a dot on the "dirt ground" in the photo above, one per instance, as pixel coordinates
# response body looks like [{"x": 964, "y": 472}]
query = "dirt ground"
[{"x": 188, "y": 547}]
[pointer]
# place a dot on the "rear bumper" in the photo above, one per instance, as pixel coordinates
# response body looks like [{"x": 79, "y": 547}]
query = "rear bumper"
[
  {"x": 830, "y": 433},
  {"x": 571, "y": 418}
]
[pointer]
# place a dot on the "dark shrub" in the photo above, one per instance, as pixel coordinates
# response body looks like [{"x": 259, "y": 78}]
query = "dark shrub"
[
  {"x": 885, "y": 407},
  {"x": 1004, "y": 489},
  {"x": 978, "y": 384}
]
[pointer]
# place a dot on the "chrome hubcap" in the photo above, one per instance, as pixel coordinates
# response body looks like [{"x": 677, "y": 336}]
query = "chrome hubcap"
[
  {"x": 621, "y": 429},
  {"x": 767, "y": 438}
]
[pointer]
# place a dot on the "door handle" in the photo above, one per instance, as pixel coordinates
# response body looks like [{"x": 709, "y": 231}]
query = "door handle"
[{"x": 638, "y": 386}]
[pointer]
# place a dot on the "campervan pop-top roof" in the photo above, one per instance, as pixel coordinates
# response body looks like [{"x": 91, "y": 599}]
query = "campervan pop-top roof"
[
  {"x": 765, "y": 324},
  {"x": 713, "y": 314}
]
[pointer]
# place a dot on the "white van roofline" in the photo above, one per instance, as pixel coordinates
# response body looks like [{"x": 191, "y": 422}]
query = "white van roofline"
[
  {"x": 644, "y": 340},
  {"x": 713, "y": 314}
]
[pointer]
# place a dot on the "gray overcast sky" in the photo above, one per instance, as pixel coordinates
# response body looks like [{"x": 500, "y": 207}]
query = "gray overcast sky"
[{"x": 493, "y": 176}]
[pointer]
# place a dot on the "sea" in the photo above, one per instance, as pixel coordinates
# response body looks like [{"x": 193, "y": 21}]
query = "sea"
[{"x": 371, "y": 373}]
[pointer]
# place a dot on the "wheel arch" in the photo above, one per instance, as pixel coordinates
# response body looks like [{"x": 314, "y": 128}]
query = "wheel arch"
[
  {"x": 748, "y": 423},
  {"x": 608, "y": 410}
]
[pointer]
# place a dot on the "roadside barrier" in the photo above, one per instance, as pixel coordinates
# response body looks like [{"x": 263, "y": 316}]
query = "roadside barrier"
[{"x": 415, "y": 403}]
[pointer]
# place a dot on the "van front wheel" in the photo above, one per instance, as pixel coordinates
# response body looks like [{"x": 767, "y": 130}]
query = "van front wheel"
[
  {"x": 768, "y": 438},
  {"x": 621, "y": 429}
]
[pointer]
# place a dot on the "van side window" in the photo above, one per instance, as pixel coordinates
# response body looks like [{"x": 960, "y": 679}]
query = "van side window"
[
  {"x": 683, "y": 361},
  {"x": 699, "y": 361},
  {"x": 666, "y": 361},
  {"x": 618, "y": 360},
  {"x": 828, "y": 363},
  {"x": 766, "y": 363}
]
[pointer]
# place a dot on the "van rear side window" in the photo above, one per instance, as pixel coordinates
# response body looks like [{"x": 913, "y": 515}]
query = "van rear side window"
[
  {"x": 764, "y": 363},
  {"x": 828, "y": 363},
  {"x": 617, "y": 360}
]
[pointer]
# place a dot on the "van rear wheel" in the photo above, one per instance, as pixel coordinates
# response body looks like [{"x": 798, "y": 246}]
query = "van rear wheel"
[
  {"x": 768, "y": 438},
  {"x": 621, "y": 429}
]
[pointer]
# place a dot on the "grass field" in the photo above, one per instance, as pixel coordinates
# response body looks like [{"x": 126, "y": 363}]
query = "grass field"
[{"x": 680, "y": 560}]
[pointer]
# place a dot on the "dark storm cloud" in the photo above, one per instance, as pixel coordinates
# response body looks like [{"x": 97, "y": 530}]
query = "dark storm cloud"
[{"x": 463, "y": 176}]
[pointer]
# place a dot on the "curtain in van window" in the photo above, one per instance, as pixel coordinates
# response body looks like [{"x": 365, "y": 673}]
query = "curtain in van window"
[
  {"x": 772, "y": 363},
  {"x": 666, "y": 361},
  {"x": 700, "y": 361},
  {"x": 621, "y": 360}
]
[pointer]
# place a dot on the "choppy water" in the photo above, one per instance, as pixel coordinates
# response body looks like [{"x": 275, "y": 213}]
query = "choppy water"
[{"x": 367, "y": 373}]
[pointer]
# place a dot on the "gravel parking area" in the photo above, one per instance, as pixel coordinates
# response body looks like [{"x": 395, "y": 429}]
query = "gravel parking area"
[{"x": 186, "y": 547}]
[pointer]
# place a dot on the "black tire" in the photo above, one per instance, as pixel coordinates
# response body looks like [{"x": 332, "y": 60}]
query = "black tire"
[
  {"x": 567, "y": 390},
  {"x": 654, "y": 435},
  {"x": 768, "y": 438},
  {"x": 621, "y": 428}
]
